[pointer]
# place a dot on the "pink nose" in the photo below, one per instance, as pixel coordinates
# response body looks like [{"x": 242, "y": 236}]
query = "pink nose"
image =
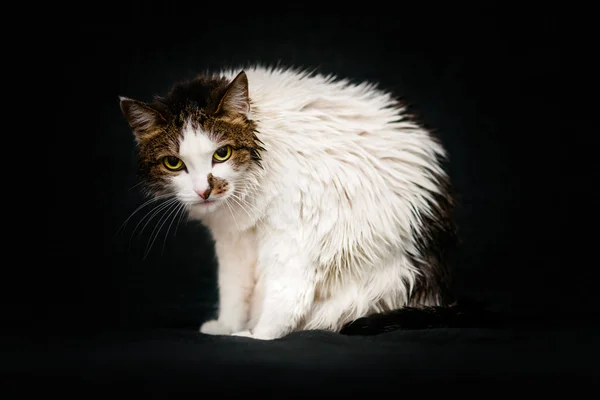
[{"x": 203, "y": 193}]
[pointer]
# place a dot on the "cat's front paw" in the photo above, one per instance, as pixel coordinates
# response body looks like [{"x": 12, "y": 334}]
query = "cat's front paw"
[
  {"x": 243, "y": 334},
  {"x": 215, "y": 327},
  {"x": 255, "y": 335}
]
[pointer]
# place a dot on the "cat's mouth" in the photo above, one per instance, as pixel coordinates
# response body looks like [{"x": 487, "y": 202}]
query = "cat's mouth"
[
  {"x": 205, "y": 203},
  {"x": 199, "y": 203}
]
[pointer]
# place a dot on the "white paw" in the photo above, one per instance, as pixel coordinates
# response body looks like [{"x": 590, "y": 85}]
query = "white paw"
[
  {"x": 243, "y": 334},
  {"x": 215, "y": 327},
  {"x": 253, "y": 335}
]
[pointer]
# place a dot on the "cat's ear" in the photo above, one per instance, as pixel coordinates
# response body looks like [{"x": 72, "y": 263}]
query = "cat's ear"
[
  {"x": 142, "y": 118},
  {"x": 235, "y": 101}
]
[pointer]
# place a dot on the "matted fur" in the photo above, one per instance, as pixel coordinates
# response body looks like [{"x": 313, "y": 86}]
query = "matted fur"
[{"x": 333, "y": 206}]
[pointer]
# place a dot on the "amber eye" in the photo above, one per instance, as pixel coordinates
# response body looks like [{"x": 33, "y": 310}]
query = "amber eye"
[
  {"x": 173, "y": 163},
  {"x": 222, "y": 154}
]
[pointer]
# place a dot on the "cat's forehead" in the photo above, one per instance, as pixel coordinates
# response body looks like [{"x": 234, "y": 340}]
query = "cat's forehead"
[
  {"x": 195, "y": 142},
  {"x": 194, "y": 99}
]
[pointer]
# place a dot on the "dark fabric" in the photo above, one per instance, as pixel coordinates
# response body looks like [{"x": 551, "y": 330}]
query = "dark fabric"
[
  {"x": 505, "y": 91},
  {"x": 172, "y": 361}
]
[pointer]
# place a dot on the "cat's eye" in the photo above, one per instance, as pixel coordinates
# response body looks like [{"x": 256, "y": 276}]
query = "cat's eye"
[
  {"x": 173, "y": 163},
  {"x": 222, "y": 154}
]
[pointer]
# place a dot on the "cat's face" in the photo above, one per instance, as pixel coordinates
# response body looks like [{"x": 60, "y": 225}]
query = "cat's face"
[{"x": 198, "y": 143}]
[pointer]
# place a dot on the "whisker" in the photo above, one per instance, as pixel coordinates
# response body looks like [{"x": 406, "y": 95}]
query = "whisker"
[
  {"x": 231, "y": 212},
  {"x": 168, "y": 211},
  {"x": 158, "y": 226},
  {"x": 154, "y": 199},
  {"x": 179, "y": 209},
  {"x": 151, "y": 214},
  {"x": 136, "y": 185},
  {"x": 241, "y": 205},
  {"x": 245, "y": 203},
  {"x": 185, "y": 209}
]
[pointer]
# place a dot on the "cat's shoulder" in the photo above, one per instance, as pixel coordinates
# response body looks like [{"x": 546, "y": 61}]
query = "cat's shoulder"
[{"x": 300, "y": 77}]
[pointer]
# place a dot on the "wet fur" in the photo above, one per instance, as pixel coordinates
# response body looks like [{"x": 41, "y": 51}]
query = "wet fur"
[{"x": 341, "y": 206}]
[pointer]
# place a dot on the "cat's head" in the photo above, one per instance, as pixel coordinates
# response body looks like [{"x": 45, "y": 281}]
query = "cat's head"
[{"x": 198, "y": 143}]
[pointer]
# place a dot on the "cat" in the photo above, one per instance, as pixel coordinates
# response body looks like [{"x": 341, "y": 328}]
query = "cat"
[{"x": 327, "y": 201}]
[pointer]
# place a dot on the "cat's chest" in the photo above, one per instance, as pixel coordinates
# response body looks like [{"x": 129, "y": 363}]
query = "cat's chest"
[{"x": 233, "y": 221}]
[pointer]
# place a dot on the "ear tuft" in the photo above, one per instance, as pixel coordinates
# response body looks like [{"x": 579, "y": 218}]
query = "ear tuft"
[
  {"x": 142, "y": 118},
  {"x": 235, "y": 101}
]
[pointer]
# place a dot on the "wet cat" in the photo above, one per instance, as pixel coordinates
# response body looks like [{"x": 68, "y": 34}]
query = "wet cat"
[{"x": 326, "y": 200}]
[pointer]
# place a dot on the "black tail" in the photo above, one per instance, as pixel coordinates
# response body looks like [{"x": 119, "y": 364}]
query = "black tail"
[{"x": 457, "y": 315}]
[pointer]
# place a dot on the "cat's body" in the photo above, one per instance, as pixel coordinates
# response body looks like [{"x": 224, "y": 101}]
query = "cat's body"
[{"x": 329, "y": 204}]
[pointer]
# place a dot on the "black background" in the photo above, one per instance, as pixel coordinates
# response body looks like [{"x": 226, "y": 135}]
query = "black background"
[{"x": 504, "y": 89}]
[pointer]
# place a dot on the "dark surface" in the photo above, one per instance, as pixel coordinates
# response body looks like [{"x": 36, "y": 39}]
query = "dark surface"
[
  {"x": 501, "y": 90},
  {"x": 320, "y": 363}
]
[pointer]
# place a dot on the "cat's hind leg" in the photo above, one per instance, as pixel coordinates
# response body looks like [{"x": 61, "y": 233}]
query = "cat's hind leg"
[{"x": 388, "y": 288}]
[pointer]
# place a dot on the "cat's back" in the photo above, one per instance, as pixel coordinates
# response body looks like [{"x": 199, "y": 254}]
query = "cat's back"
[
  {"x": 330, "y": 141},
  {"x": 325, "y": 117},
  {"x": 306, "y": 97}
]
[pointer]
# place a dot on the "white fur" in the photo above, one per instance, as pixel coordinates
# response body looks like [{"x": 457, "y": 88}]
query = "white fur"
[{"x": 320, "y": 235}]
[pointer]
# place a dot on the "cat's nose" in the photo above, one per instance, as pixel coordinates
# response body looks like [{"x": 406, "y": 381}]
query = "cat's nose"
[{"x": 203, "y": 193}]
